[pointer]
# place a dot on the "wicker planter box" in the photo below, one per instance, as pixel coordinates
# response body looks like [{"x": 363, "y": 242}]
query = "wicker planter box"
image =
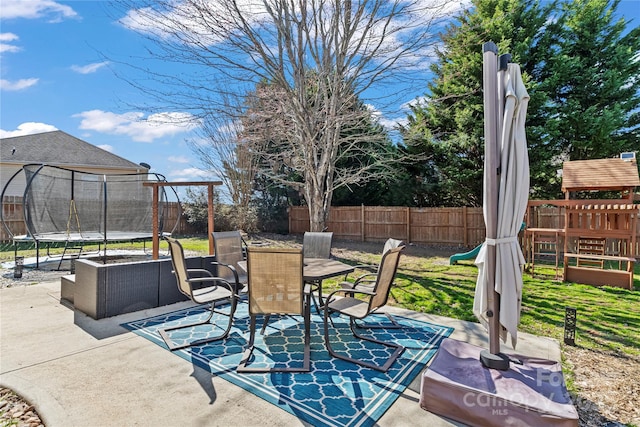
[{"x": 105, "y": 290}]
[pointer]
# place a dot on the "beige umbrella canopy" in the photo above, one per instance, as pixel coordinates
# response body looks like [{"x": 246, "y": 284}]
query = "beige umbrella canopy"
[{"x": 506, "y": 189}]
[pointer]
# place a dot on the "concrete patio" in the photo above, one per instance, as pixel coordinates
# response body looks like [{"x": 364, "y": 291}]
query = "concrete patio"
[{"x": 77, "y": 371}]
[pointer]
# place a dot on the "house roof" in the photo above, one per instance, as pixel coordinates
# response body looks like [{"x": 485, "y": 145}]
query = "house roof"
[
  {"x": 600, "y": 175},
  {"x": 60, "y": 149}
]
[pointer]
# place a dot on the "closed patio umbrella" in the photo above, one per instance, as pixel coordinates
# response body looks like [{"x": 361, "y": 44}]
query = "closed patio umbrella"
[{"x": 506, "y": 188}]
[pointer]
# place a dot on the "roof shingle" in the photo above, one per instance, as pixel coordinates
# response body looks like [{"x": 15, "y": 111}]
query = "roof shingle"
[
  {"x": 60, "y": 149},
  {"x": 599, "y": 174}
]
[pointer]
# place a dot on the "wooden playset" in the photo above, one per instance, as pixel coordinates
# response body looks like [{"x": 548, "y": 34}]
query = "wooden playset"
[{"x": 598, "y": 239}]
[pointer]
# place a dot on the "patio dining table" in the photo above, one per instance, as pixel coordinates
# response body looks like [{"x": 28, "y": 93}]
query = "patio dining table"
[{"x": 317, "y": 269}]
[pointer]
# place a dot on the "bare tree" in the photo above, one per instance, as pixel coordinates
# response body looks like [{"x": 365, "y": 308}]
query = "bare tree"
[
  {"x": 362, "y": 150},
  {"x": 323, "y": 56},
  {"x": 221, "y": 149}
]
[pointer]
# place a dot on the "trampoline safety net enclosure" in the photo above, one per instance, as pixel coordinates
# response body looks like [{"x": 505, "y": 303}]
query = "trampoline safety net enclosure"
[{"x": 66, "y": 205}]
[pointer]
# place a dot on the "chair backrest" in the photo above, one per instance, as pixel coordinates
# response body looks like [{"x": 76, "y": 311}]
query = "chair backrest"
[
  {"x": 228, "y": 250},
  {"x": 388, "y": 245},
  {"x": 179, "y": 265},
  {"x": 384, "y": 279},
  {"x": 391, "y": 244},
  {"x": 317, "y": 244},
  {"x": 275, "y": 280}
]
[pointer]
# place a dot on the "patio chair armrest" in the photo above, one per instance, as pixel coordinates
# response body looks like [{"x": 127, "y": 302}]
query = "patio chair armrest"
[
  {"x": 370, "y": 268},
  {"x": 347, "y": 285},
  {"x": 365, "y": 278},
  {"x": 230, "y": 267},
  {"x": 354, "y": 285},
  {"x": 349, "y": 293},
  {"x": 211, "y": 282},
  {"x": 199, "y": 270},
  {"x": 223, "y": 282},
  {"x": 205, "y": 279}
]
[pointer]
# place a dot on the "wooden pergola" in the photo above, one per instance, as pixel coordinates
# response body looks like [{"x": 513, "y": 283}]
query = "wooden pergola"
[{"x": 156, "y": 185}]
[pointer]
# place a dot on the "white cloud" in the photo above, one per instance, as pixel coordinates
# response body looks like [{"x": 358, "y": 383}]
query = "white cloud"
[
  {"x": 27, "y": 128},
  {"x": 191, "y": 174},
  {"x": 89, "y": 68},
  {"x": 377, "y": 115},
  {"x": 420, "y": 101},
  {"x": 8, "y": 37},
  {"x": 17, "y": 84},
  {"x": 391, "y": 123},
  {"x": 6, "y": 47},
  {"x": 33, "y": 9},
  {"x": 178, "y": 159},
  {"x": 188, "y": 172},
  {"x": 135, "y": 125},
  {"x": 163, "y": 23},
  {"x": 106, "y": 147}
]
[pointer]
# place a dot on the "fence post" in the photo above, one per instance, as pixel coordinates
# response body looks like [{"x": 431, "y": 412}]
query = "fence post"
[
  {"x": 362, "y": 224},
  {"x": 465, "y": 227},
  {"x": 408, "y": 216}
]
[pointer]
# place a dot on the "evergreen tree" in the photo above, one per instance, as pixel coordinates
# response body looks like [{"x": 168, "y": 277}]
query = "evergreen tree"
[
  {"x": 595, "y": 82},
  {"x": 449, "y": 125},
  {"x": 581, "y": 67}
]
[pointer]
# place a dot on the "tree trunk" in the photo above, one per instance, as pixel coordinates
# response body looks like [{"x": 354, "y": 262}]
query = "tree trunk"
[{"x": 317, "y": 215}]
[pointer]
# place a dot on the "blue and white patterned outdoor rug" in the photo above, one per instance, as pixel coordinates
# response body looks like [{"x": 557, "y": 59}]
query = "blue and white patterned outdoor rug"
[{"x": 335, "y": 392}]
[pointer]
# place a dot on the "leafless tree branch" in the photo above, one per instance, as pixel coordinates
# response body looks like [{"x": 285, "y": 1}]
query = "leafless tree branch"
[{"x": 323, "y": 56}]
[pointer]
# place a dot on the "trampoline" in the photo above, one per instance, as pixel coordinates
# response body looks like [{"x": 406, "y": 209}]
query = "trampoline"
[{"x": 74, "y": 207}]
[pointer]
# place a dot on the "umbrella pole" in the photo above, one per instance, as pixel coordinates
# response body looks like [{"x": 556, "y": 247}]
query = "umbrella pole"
[{"x": 492, "y": 358}]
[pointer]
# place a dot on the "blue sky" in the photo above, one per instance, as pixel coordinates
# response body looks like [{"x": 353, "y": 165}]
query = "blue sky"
[{"x": 54, "y": 75}]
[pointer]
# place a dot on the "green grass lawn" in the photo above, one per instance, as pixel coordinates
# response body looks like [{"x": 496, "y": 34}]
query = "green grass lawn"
[{"x": 608, "y": 318}]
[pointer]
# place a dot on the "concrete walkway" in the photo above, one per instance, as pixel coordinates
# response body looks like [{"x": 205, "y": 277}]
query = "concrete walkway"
[{"x": 77, "y": 371}]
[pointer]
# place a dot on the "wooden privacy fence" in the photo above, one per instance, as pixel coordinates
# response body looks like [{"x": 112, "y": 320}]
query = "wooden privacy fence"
[
  {"x": 13, "y": 217},
  {"x": 462, "y": 226}
]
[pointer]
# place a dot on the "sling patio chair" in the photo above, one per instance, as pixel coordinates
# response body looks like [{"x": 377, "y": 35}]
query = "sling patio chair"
[
  {"x": 371, "y": 269},
  {"x": 359, "y": 308},
  {"x": 276, "y": 286},
  {"x": 366, "y": 281},
  {"x": 316, "y": 244},
  {"x": 230, "y": 249},
  {"x": 202, "y": 288}
]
